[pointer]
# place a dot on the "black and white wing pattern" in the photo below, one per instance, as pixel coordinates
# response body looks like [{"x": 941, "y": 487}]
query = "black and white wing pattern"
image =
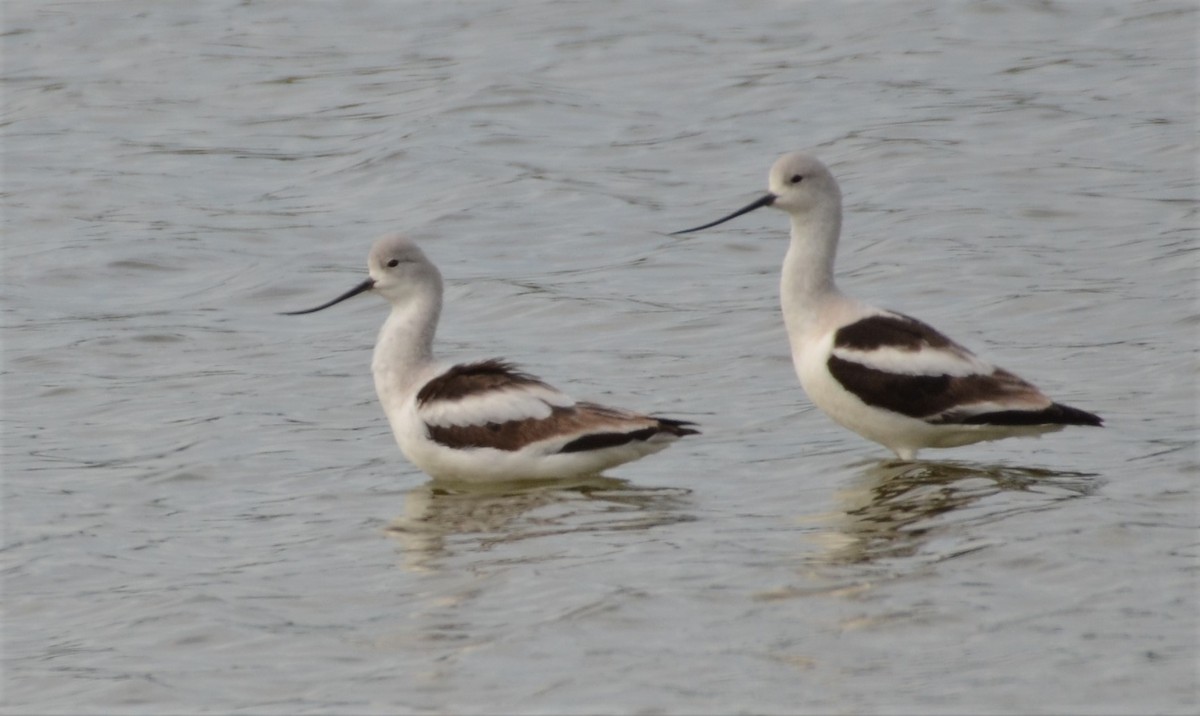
[
  {"x": 491, "y": 404},
  {"x": 897, "y": 363}
]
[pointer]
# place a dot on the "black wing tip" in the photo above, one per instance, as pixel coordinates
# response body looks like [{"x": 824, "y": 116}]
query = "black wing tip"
[
  {"x": 677, "y": 427},
  {"x": 599, "y": 441},
  {"x": 1075, "y": 416},
  {"x": 1056, "y": 414}
]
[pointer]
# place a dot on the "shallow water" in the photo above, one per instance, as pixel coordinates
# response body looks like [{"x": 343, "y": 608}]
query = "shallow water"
[{"x": 204, "y": 510}]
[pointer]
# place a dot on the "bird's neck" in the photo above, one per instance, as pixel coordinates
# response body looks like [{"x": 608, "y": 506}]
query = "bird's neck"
[
  {"x": 807, "y": 279},
  {"x": 405, "y": 346}
]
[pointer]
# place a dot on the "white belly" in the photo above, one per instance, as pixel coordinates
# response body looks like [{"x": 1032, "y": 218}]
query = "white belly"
[
  {"x": 899, "y": 433},
  {"x": 539, "y": 461}
]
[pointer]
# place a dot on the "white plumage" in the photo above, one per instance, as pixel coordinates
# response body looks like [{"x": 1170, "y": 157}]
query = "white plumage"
[
  {"x": 927, "y": 361},
  {"x": 486, "y": 420},
  {"x": 514, "y": 403},
  {"x": 884, "y": 375}
]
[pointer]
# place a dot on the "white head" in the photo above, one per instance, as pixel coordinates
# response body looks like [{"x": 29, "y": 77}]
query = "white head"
[
  {"x": 798, "y": 183},
  {"x": 398, "y": 270}
]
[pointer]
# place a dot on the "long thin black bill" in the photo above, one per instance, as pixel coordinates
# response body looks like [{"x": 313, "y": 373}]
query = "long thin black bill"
[
  {"x": 756, "y": 204},
  {"x": 364, "y": 286}
]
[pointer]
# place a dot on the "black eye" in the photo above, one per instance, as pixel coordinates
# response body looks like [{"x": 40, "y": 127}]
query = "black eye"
[
  {"x": 796, "y": 178},
  {"x": 393, "y": 263}
]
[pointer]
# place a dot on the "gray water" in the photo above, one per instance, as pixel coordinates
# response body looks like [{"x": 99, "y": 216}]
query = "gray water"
[{"x": 204, "y": 510}]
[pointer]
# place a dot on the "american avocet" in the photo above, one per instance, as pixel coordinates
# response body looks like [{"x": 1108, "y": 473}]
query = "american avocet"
[
  {"x": 485, "y": 420},
  {"x": 884, "y": 375}
]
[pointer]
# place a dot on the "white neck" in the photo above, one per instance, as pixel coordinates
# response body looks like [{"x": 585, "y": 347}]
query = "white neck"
[
  {"x": 404, "y": 348},
  {"x": 807, "y": 278}
]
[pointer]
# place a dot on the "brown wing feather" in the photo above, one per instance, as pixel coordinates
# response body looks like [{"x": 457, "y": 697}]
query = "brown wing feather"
[
  {"x": 927, "y": 396},
  {"x": 583, "y": 420},
  {"x": 474, "y": 378},
  {"x": 893, "y": 330},
  {"x": 940, "y": 399}
]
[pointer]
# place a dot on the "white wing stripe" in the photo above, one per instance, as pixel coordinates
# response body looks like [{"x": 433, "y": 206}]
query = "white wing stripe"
[
  {"x": 526, "y": 402},
  {"x": 927, "y": 361},
  {"x": 1029, "y": 403}
]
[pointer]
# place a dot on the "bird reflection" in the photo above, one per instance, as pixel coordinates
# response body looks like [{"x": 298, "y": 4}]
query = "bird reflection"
[
  {"x": 894, "y": 507},
  {"x": 497, "y": 513}
]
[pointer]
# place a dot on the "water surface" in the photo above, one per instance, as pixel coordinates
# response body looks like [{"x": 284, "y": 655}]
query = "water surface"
[{"x": 204, "y": 510}]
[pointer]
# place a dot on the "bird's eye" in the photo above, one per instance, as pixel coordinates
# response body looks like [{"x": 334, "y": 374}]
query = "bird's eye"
[
  {"x": 393, "y": 263},
  {"x": 796, "y": 178}
]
